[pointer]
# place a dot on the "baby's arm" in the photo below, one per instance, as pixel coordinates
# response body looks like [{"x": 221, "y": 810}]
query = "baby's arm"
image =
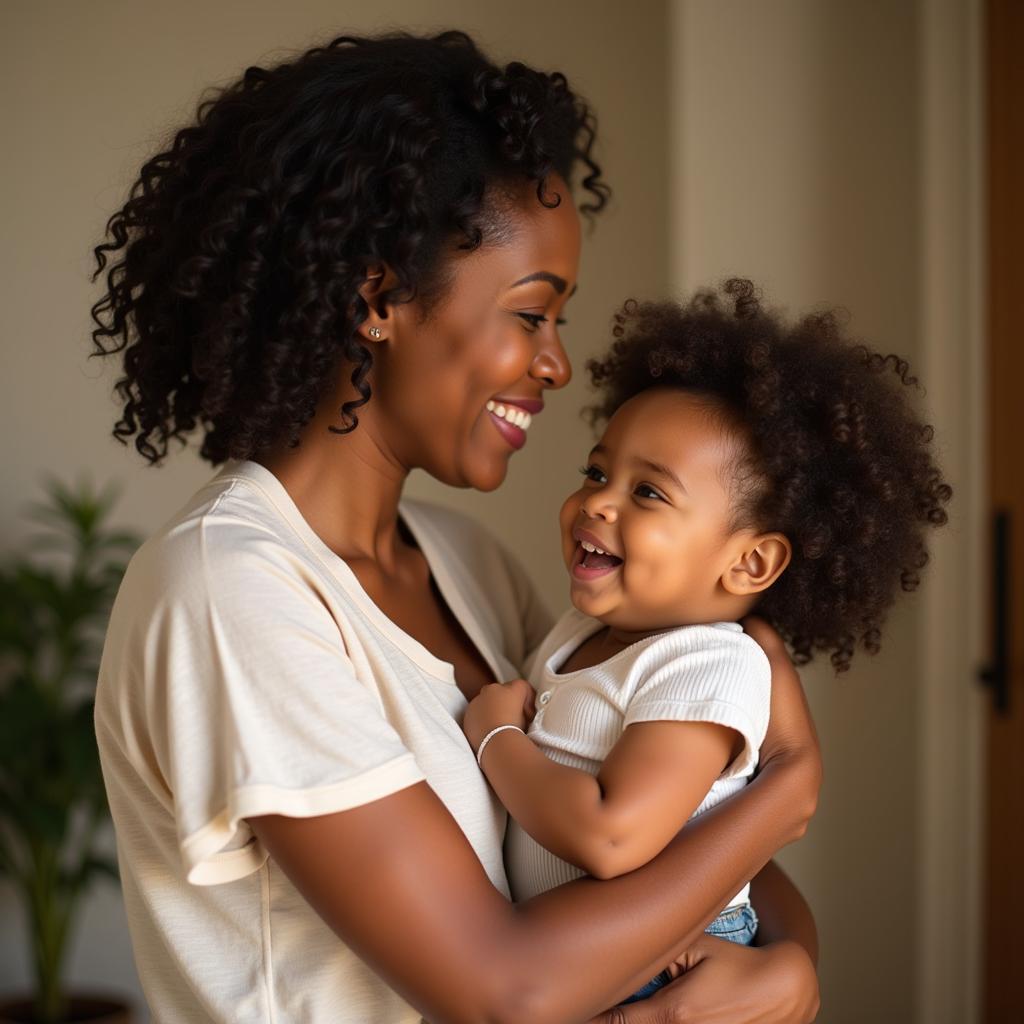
[{"x": 652, "y": 781}]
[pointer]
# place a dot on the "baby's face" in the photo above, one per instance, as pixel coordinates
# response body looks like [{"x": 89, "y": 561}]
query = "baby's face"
[{"x": 656, "y": 499}]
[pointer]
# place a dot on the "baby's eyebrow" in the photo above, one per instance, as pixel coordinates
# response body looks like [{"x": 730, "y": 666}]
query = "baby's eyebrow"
[
  {"x": 654, "y": 467},
  {"x": 660, "y": 470}
]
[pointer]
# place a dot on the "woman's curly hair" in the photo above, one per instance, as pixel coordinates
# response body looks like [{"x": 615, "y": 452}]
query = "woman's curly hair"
[
  {"x": 835, "y": 457},
  {"x": 237, "y": 258}
]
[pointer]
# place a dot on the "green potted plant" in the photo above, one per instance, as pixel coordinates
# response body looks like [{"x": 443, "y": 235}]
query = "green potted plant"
[{"x": 55, "y": 597}]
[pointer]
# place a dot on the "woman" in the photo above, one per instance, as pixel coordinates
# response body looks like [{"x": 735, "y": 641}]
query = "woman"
[{"x": 353, "y": 265}]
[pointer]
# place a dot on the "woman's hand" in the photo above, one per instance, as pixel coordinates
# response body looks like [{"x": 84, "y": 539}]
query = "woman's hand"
[
  {"x": 725, "y": 983},
  {"x": 498, "y": 704}
]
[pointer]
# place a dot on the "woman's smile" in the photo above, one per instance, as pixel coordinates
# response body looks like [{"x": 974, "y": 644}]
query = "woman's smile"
[{"x": 513, "y": 416}]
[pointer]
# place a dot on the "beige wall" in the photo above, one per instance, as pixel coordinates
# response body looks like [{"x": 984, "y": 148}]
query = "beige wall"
[
  {"x": 90, "y": 88},
  {"x": 783, "y": 137}
]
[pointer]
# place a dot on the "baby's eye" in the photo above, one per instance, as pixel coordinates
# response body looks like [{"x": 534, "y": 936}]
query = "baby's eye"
[
  {"x": 593, "y": 473},
  {"x": 646, "y": 491}
]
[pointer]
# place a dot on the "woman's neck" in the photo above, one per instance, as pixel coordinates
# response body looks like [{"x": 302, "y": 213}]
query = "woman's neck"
[{"x": 347, "y": 486}]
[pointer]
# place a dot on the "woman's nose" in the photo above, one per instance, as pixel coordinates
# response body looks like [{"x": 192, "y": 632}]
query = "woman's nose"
[{"x": 551, "y": 364}]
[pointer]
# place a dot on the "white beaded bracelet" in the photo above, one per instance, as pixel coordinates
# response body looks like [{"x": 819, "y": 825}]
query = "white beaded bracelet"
[{"x": 487, "y": 739}]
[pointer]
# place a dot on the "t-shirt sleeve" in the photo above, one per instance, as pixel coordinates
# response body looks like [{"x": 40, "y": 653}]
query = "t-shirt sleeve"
[
  {"x": 725, "y": 681},
  {"x": 253, "y": 707}
]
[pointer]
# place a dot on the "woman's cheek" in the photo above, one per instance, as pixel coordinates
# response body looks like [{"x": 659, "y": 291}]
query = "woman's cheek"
[{"x": 510, "y": 355}]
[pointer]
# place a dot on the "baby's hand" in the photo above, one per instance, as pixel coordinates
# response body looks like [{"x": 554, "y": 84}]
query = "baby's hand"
[{"x": 498, "y": 704}]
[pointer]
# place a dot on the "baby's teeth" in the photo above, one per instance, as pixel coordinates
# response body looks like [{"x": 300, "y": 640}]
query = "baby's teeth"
[
  {"x": 490, "y": 406},
  {"x": 500, "y": 410}
]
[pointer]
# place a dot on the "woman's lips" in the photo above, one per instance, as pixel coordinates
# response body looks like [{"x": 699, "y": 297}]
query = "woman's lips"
[
  {"x": 515, "y": 436},
  {"x": 512, "y": 417}
]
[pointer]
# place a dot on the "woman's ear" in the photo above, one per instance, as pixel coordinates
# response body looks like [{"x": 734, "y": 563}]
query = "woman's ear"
[
  {"x": 379, "y": 281},
  {"x": 759, "y": 564}
]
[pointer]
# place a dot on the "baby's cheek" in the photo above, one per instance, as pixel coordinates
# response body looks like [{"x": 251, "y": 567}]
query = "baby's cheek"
[
  {"x": 570, "y": 509},
  {"x": 566, "y": 518}
]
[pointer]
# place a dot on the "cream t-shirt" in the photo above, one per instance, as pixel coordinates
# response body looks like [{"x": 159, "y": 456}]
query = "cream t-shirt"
[
  {"x": 704, "y": 673},
  {"x": 246, "y": 672}
]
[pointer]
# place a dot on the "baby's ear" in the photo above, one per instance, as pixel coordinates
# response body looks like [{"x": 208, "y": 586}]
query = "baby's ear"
[{"x": 758, "y": 565}]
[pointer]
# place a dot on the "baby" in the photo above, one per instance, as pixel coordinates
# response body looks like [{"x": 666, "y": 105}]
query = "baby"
[{"x": 748, "y": 465}]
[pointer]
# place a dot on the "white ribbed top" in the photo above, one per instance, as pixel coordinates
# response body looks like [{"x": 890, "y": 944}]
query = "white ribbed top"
[{"x": 707, "y": 673}]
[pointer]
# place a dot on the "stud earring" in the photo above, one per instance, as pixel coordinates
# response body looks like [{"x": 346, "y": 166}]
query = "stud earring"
[{"x": 374, "y": 332}]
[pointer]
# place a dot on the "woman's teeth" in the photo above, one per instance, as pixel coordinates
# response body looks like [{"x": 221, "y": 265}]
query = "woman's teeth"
[{"x": 517, "y": 417}]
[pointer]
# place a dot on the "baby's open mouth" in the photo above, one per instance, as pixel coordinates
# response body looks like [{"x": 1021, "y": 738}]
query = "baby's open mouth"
[{"x": 591, "y": 562}]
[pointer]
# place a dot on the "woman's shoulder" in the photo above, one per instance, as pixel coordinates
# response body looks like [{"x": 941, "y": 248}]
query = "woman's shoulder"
[{"x": 227, "y": 533}]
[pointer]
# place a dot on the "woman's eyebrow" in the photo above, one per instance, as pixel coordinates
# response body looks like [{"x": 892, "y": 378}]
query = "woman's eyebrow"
[{"x": 556, "y": 282}]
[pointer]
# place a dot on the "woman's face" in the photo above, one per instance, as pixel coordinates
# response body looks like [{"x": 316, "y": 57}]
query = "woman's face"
[{"x": 454, "y": 391}]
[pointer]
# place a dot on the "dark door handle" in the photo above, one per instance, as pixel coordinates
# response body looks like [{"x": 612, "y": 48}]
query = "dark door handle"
[{"x": 997, "y": 673}]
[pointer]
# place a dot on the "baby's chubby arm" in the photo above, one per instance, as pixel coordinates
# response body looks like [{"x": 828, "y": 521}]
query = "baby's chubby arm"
[{"x": 652, "y": 781}]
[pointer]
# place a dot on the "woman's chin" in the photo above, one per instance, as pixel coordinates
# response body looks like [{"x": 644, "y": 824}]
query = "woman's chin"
[
  {"x": 491, "y": 479},
  {"x": 479, "y": 475}
]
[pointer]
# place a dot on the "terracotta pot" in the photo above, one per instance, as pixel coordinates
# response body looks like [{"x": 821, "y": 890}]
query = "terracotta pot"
[{"x": 81, "y": 1010}]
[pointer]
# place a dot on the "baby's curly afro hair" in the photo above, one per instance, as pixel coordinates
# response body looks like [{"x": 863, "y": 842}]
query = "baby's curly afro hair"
[{"x": 837, "y": 459}]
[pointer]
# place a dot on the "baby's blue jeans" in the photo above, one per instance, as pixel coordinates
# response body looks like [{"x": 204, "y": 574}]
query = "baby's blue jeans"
[{"x": 737, "y": 924}]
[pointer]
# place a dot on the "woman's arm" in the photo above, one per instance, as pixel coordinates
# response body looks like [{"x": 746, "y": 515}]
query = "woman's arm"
[
  {"x": 397, "y": 880},
  {"x": 650, "y": 784},
  {"x": 783, "y": 913},
  {"x": 725, "y": 982}
]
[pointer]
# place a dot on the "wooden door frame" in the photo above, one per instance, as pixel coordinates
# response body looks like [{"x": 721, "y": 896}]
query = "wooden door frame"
[{"x": 952, "y": 707}]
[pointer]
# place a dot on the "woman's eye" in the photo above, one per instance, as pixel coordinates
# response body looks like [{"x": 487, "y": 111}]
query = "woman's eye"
[
  {"x": 534, "y": 320},
  {"x": 593, "y": 473},
  {"x": 646, "y": 491}
]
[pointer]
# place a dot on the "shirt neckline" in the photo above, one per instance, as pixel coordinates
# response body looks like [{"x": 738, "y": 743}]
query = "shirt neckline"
[
  {"x": 589, "y": 626},
  {"x": 413, "y": 517}
]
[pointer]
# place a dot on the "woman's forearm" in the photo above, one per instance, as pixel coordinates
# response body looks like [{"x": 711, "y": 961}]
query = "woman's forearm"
[
  {"x": 397, "y": 880},
  {"x": 658, "y": 911},
  {"x": 783, "y": 913}
]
